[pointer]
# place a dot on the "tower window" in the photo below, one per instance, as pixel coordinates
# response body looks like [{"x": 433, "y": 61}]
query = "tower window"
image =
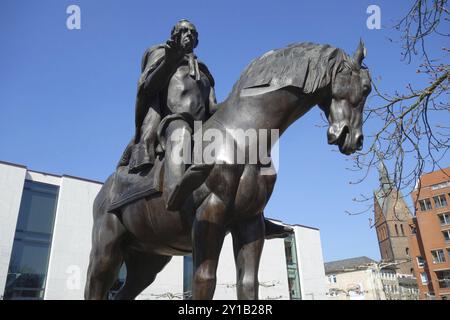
[{"x": 420, "y": 262}]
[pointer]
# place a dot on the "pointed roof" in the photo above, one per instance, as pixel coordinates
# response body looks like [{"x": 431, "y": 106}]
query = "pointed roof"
[
  {"x": 385, "y": 182},
  {"x": 387, "y": 194},
  {"x": 382, "y": 194}
]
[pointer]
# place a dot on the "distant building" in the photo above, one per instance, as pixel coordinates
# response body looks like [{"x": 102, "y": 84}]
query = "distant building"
[
  {"x": 362, "y": 278},
  {"x": 45, "y": 240},
  {"x": 430, "y": 235},
  {"x": 354, "y": 279},
  {"x": 391, "y": 215},
  {"x": 397, "y": 286}
]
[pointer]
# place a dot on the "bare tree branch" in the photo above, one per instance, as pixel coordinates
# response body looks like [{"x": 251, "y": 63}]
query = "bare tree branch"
[{"x": 414, "y": 134}]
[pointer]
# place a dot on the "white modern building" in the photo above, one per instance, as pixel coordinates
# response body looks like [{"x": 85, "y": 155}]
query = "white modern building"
[{"x": 45, "y": 241}]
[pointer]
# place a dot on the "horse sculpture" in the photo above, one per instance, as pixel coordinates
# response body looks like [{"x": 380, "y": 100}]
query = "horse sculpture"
[{"x": 274, "y": 91}]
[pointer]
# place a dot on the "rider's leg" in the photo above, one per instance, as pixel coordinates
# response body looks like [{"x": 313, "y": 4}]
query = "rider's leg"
[{"x": 178, "y": 156}]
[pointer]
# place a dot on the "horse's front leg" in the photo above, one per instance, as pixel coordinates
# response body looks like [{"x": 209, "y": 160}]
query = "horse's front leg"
[
  {"x": 248, "y": 242},
  {"x": 207, "y": 234}
]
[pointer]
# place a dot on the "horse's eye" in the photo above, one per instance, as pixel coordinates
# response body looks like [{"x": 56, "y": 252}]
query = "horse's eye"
[{"x": 366, "y": 89}]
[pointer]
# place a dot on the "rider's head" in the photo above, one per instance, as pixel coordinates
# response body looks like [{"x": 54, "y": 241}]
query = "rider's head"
[{"x": 185, "y": 35}]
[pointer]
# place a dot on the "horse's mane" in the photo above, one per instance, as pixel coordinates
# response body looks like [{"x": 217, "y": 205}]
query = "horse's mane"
[{"x": 308, "y": 66}]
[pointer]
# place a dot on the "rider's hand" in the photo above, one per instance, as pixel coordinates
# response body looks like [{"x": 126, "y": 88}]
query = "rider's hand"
[{"x": 174, "y": 52}]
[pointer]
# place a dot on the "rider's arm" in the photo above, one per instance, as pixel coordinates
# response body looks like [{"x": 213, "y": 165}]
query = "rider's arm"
[
  {"x": 213, "y": 105},
  {"x": 153, "y": 70},
  {"x": 155, "y": 79}
]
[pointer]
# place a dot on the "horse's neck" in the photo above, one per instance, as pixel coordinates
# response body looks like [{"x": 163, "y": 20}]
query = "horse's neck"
[
  {"x": 255, "y": 123},
  {"x": 276, "y": 109}
]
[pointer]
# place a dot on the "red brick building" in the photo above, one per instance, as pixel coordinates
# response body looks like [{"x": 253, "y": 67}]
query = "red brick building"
[{"x": 430, "y": 235}]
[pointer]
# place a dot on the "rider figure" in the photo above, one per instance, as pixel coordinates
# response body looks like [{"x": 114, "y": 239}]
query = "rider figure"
[{"x": 174, "y": 90}]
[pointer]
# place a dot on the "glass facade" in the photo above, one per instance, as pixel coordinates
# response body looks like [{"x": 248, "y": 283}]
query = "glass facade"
[
  {"x": 292, "y": 268},
  {"x": 188, "y": 274},
  {"x": 31, "y": 248}
]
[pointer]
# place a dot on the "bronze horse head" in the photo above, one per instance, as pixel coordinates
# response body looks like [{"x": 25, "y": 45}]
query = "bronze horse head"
[{"x": 344, "y": 106}]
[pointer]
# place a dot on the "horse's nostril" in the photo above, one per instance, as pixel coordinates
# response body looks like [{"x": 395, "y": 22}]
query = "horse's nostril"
[{"x": 359, "y": 142}]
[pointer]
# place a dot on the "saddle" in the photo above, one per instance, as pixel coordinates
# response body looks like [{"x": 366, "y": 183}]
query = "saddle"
[{"x": 129, "y": 187}]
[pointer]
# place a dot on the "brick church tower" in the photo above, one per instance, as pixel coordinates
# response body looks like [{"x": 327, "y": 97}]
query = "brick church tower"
[{"x": 391, "y": 223}]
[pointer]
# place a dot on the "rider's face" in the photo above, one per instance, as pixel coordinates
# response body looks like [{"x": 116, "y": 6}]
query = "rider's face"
[{"x": 187, "y": 36}]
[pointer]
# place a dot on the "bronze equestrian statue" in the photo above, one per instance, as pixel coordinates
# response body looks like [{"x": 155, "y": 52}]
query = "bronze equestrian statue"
[{"x": 197, "y": 205}]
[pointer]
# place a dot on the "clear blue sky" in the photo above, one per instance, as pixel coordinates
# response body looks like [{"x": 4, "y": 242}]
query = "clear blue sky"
[{"x": 67, "y": 96}]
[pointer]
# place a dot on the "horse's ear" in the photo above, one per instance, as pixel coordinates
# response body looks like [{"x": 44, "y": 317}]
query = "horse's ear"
[{"x": 360, "y": 54}]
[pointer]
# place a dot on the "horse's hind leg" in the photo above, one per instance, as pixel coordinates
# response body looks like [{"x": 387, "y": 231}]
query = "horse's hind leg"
[
  {"x": 248, "y": 242},
  {"x": 142, "y": 269},
  {"x": 106, "y": 256}
]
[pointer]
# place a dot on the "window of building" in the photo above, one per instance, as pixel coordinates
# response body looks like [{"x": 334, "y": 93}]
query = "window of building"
[
  {"x": 396, "y": 230},
  {"x": 448, "y": 253},
  {"x": 423, "y": 277},
  {"x": 332, "y": 278},
  {"x": 403, "y": 231},
  {"x": 443, "y": 278},
  {"x": 438, "y": 256},
  {"x": 292, "y": 269},
  {"x": 425, "y": 204},
  {"x": 407, "y": 251},
  {"x": 420, "y": 261},
  {"x": 28, "y": 265},
  {"x": 446, "y": 234},
  {"x": 188, "y": 274},
  {"x": 413, "y": 229},
  {"x": 440, "y": 201},
  {"x": 444, "y": 218},
  {"x": 440, "y": 185}
]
